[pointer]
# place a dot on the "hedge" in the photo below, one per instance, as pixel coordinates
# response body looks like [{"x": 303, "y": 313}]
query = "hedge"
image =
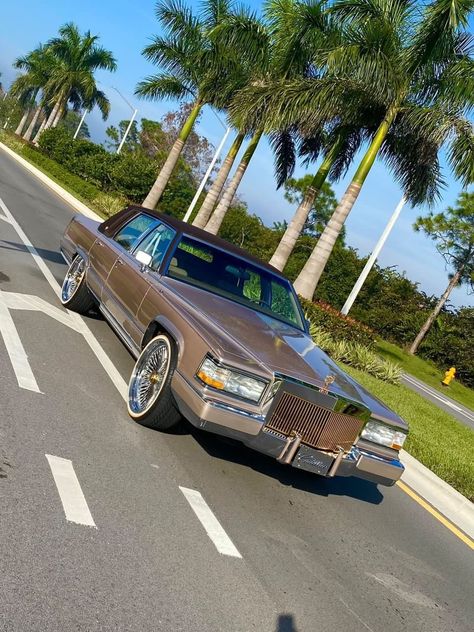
[
  {"x": 69, "y": 181},
  {"x": 340, "y": 327}
]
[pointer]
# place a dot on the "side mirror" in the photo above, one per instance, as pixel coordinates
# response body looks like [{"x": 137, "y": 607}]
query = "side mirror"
[{"x": 144, "y": 258}]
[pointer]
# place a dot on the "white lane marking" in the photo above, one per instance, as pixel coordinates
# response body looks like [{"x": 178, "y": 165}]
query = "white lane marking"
[
  {"x": 70, "y": 492},
  {"x": 91, "y": 340},
  {"x": 213, "y": 528},
  {"x": 16, "y": 351},
  {"x": 5, "y": 219},
  {"x": 15, "y": 300},
  {"x": 433, "y": 393}
]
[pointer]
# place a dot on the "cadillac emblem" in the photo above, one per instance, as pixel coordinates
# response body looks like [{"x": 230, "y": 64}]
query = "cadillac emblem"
[{"x": 328, "y": 380}]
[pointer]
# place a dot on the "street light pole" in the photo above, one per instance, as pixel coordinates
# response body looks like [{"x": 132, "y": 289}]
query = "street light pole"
[
  {"x": 373, "y": 258},
  {"x": 80, "y": 124},
  {"x": 130, "y": 123},
  {"x": 206, "y": 176}
]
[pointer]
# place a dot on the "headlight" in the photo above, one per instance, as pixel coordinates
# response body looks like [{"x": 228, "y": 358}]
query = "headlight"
[
  {"x": 384, "y": 435},
  {"x": 229, "y": 381}
]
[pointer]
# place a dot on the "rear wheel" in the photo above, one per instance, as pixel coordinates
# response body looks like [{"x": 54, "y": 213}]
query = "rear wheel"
[
  {"x": 75, "y": 294},
  {"x": 150, "y": 400}
]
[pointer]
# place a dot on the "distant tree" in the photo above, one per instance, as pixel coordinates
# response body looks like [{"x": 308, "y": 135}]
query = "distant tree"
[
  {"x": 115, "y": 136},
  {"x": 70, "y": 123},
  {"x": 453, "y": 232}
]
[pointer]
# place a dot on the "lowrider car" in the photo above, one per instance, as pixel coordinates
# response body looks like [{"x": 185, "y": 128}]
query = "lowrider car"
[{"x": 220, "y": 338}]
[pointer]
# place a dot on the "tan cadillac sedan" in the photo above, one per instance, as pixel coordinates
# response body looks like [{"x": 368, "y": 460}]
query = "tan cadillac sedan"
[{"x": 220, "y": 338}]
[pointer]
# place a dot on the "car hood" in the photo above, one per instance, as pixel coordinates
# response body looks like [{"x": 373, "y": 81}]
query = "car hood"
[{"x": 251, "y": 339}]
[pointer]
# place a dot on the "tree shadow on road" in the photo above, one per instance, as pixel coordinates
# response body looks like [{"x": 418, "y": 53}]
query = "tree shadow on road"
[
  {"x": 50, "y": 255},
  {"x": 234, "y": 451}
]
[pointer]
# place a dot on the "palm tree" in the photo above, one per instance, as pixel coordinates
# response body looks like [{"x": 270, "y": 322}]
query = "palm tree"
[
  {"x": 217, "y": 217},
  {"x": 192, "y": 66},
  {"x": 37, "y": 65},
  {"x": 277, "y": 48},
  {"x": 453, "y": 233},
  {"x": 215, "y": 189},
  {"x": 72, "y": 78},
  {"x": 418, "y": 69}
]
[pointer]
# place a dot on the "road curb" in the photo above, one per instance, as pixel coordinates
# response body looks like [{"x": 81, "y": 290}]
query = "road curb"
[
  {"x": 449, "y": 502},
  {"x": 62, "y": 193},
  {"x": 454, "y": 506}
]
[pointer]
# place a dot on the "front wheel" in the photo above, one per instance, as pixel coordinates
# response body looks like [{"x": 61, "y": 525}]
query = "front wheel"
[
  {"x": 75, "y": 294},
  {"x": 150, "y": 400}
]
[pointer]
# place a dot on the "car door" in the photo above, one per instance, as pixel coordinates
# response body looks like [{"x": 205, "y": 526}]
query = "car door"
[
  {"x": 106, "y": 250},
  {"x": 129, "y": 280}
]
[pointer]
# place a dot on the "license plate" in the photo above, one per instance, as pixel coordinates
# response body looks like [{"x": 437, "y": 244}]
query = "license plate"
[{"x": 313, "y": 461}]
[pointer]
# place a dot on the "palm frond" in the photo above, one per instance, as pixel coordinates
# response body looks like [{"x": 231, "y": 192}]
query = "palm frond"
[
  {"x": 284, "y": 152},
  {"x": 163, "y": 86}
]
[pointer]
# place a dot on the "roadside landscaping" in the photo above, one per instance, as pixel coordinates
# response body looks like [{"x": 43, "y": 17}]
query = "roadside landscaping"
[
  {"x": 436, "y": 439},
  {"x": 426, "y": 371}
]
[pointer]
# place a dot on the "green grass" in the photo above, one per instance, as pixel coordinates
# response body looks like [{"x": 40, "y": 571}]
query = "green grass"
[
  {"x": 427, "y": 372},
  {"x": 436, "y": 439}
]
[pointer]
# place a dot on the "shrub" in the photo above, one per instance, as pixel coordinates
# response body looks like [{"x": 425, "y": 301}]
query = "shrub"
[
  {"x": 107, "y": 204},
  {"x": 338, "y": 326},
  {"x": 133, "y": 175},
  {"x": 357, "y": 355},
  {"x": 66, "y": 179}
]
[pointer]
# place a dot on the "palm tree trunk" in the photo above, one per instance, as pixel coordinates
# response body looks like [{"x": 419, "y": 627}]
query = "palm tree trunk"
[
  {"x": 308, "y": 278},
  {"x": 432, "y": 317},
  {"x": 31, "y": 127},
  {"x": 59, "y": 116},
  {"x": 287, "y": 243},
  {"x": 211, "y": 198},
  {"x": 217, "y": 217},
  {"x": 40, "y": 130},
  {"x": 161, "y": 181},
  {"x": 53, "y": 113},
  {"x": 49, "y": 121},
  {"x": 22, "y": 123}
]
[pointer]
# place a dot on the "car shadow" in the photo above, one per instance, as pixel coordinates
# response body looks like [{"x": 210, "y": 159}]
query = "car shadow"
[
  {"x": 230, "y": 450},
  {"x": 50, "y": 255}
]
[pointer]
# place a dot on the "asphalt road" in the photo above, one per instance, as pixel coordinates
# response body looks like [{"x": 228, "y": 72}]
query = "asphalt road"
[
  {"x": 454, "y": 408},
  {"x": 316, "y": 555}
]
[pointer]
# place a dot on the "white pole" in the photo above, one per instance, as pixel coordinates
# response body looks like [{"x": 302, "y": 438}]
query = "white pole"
[
  {"x": 127, "y": 130},
  {"x": 80, "y": 124},
  {"x": 206, "y": 176},
  {"x": 373, "y": 258}
]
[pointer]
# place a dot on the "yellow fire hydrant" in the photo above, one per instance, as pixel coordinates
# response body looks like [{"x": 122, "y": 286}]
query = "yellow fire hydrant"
[{"x": 449, "y": 376}]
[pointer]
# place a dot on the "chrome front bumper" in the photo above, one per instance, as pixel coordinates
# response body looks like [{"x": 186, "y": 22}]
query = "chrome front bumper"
[{"x": 249, "y": 429}]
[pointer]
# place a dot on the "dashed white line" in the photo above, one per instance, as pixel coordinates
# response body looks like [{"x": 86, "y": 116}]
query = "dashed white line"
[
  {"x": 213, "y": 528},
  {"x": 16, "y": 351},
  {"x": 70, "y": 492}
]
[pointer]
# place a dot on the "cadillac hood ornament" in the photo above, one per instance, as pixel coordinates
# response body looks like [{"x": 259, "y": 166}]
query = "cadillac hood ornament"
[{"x": 328, "y": 380}]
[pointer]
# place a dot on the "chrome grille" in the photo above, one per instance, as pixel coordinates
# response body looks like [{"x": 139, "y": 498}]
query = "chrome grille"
[{"x": 319, "y": 427}]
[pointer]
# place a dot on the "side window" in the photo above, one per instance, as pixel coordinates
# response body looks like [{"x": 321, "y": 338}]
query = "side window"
[
  {"x": 156, "y": 244},
  {"x": 132, "y": 231}
]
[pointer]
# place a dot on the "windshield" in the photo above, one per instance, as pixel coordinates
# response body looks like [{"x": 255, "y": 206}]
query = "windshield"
[{"x": 234, "y": 278}]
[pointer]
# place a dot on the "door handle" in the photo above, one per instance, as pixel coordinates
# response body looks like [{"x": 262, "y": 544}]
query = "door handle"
[{"x": 119, "y": 262}]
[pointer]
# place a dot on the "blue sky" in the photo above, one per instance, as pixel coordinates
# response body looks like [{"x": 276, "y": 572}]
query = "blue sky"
[{"x": 125, "y": 26}]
